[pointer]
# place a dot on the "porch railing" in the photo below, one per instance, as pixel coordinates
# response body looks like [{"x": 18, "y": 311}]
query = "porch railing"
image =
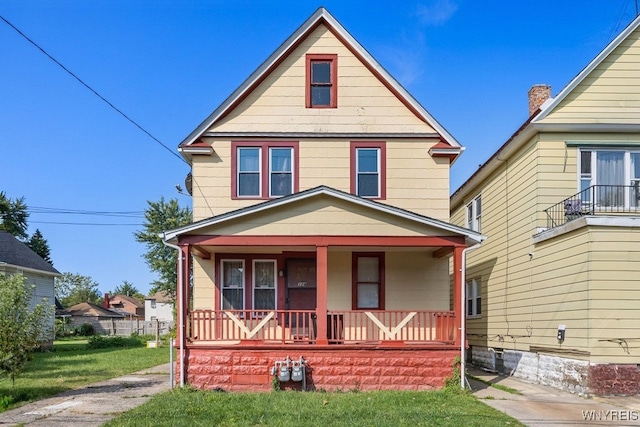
[
  {"x": 343, "y": 327},
  {"x": 596, "y": 200}
]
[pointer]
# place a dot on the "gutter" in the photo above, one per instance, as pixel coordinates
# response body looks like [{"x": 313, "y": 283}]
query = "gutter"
[
  {"x": 180, "y": 308},
  {"x": 463, "y": 314}
]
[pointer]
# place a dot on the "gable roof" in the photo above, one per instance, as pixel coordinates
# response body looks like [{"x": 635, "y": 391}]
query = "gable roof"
[
  {"x": 134, "y": 301},
  {"x": 160, "y": 297},
  {"x": 469, "y": 235},
  {"x": 549, "y": 106},
  {"x": 17, "y": 254},
  {"x": 532, "y": 125},
  {"x": 320, "y": 17},
  {"x": 91, "y": 310}
]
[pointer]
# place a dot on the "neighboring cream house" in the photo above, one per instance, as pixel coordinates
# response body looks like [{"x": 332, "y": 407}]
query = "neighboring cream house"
[
  {"x": 158, "y": 306},
  {"x": 17, "y": 258},
  {"x": 321, "y": 229},
  {"x": 553, "y": 295}
]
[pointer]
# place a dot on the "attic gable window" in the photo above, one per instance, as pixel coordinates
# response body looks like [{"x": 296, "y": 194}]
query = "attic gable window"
[{"x": 321, "y": 81}]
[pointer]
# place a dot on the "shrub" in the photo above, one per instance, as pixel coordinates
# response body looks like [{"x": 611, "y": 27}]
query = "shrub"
[
  {"x": 99, "y": 341},
  {"x": 85, "y": 330}
]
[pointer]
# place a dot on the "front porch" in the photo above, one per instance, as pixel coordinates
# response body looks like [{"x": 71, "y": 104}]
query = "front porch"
[{"x": 288, "y": 327}]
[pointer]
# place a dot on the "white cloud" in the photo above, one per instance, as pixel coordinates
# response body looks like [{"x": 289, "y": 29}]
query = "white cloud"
[{"x": 436, "y": 12}]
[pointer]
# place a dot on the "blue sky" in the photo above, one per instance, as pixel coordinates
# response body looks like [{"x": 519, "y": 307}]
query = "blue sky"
[{"x": 169, "y": 64}]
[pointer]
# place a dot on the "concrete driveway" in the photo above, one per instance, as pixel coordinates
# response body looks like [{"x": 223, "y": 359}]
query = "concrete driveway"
[
  {"x": 92, "y": 405},
  {"x": 539, "y": 405}
]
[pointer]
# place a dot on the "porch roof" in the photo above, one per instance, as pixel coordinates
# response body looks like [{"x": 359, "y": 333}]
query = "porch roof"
[{"x": 470, "y": 237}]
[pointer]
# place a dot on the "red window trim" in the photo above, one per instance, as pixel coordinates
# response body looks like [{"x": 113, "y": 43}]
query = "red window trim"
[
  {"x": 248, "y": 285},
  {"x": 383, "y": 166},
  {"x": 264, "y": 164},
  {"x": 333, "y": 59},
  {"x": 354, "y": 279}
]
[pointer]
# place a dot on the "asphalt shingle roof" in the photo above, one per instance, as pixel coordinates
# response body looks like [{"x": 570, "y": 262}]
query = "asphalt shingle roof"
[{"x": 16, "y": 253}]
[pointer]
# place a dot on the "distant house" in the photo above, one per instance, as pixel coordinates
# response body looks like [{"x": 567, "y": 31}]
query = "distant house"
[
  {"x": 553, "y": 295},
  {"x": 158, "y": 306},
  {"x": 92, "y": 314},
  {"x": 18, "y": 258},
  {"x": 131, "y": 308}
]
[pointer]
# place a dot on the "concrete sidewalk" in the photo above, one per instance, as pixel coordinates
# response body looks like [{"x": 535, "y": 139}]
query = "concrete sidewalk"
[
  {"x": 92, "y": 405},
  {"x": 539, "y": 405}
]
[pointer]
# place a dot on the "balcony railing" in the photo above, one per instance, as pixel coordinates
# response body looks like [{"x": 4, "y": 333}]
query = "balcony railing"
[
  {"x": 343, "y": 327},
  {"x": 596, "y": 200}
]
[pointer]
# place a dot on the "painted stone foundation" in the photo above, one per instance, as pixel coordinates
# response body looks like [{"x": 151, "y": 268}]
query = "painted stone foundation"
[
  {"x": 573, "y": 375},
  {"x": 328, "y": 368}
]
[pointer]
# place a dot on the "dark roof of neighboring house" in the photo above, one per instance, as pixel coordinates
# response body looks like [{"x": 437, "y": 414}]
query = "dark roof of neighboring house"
[
  {"x": 91, "y": 310},
  {"x": 15, "y": 253}
]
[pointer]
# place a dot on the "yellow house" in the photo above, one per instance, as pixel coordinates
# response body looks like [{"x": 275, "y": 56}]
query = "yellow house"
[
  {"x": 553, "y": 295},
  {"x": 321, "y": 239}
]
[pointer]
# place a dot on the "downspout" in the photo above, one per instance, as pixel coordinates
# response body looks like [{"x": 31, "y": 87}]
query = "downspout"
[
  {"x": 463, "y": 313},
  {"x": 180, "y": 308}
]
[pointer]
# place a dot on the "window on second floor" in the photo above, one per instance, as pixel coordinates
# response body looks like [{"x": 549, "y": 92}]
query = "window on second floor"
[
  {"x": 616, "y": 173},
  {"x": 322, "y": 81},
  {"x": 264, "y": 170},
  {"x": 474, "y": 298},
  {"x": 368, "y": 169},
  {"x": 474, "y": 214}
]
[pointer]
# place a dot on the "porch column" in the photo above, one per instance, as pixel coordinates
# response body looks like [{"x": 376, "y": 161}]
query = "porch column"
[
  {"x": 457, "y": 292},
  {"x": 321, "y": 295},
  {"x": 182, "y": 293}
]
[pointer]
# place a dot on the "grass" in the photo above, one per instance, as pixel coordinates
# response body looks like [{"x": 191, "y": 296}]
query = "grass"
[
  {"x": 382, "y": 408},
  {"x": 71, "y": 364}
]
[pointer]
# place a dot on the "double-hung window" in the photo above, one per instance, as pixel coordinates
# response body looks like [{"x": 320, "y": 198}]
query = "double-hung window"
[
  {"x": 368, "y": 281},
  {"x": 474, "y": 298},
  {"x": 232, "y": 284},
  {"x": 264, "y": 284},
  {"x": 474, "y": 214},
  {"x": 368, "y": 169},
  {"x": 322, "y": 81},
  {"x": 612, "y": 175},
  {"x": 263, "y": 170}
]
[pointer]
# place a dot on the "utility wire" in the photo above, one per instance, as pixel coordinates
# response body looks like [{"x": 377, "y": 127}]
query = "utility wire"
[
  {"x": 85, "y": 223},
  {"x": 92, "y": 90}
]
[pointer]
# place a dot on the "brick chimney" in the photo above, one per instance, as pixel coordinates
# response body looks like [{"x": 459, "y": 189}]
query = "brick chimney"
[
  {"x": 537, "y": 95},
  {"x": 105, "y": 304}
]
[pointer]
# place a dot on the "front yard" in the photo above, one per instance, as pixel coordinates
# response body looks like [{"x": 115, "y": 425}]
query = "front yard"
[
  {"x": 70, "y": 364},
  {"x": 384, "y": 408}
]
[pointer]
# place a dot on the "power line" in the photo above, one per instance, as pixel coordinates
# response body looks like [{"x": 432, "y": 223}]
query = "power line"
[
  {"x": 92, "y": 90},
  {"x": 84, "y": 223},
  {"x": 56, "y": 211}
]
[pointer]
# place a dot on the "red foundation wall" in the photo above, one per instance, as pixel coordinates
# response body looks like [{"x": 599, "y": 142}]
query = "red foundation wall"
[{"x": 330, "y": 369}]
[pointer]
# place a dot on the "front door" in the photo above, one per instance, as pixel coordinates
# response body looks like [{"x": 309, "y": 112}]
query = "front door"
[{"x": 301, "y": 293}]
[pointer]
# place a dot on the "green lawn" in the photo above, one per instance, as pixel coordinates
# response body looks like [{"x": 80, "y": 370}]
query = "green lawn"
[
  {"x": 385, "y": 408},
  {"x": 70, "y": 364}
]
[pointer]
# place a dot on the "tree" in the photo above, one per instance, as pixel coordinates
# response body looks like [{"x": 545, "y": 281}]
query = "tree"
[
  {"x": 22, "y": 328},
  {"x": 127, "y": 288},
  {"x": 72, "y": 289},
  {"x": 13, "y": 216},
  {"x": 39, "y": 245},
  {"x": 161, "y": 216}
]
